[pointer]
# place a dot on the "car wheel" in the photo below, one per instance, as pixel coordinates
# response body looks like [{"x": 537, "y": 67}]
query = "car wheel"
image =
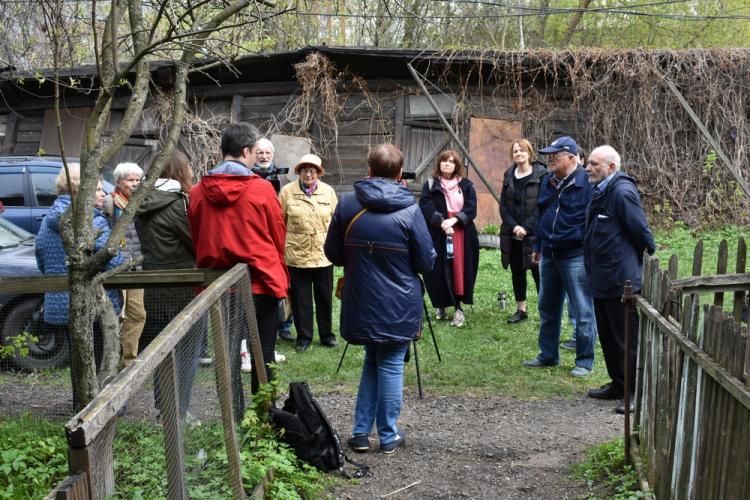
[{"x": 49, "y": 349}]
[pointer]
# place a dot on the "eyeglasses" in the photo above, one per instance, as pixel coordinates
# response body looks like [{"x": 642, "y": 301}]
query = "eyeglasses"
[
  {"x": 308, "y": 170},
  {"x": 559, "y": 154}
]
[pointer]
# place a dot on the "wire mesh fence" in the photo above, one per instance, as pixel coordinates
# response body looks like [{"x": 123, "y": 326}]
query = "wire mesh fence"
[{"x": 167, "y": 424}]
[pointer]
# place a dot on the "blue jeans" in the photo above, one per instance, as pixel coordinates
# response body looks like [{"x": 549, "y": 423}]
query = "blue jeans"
[
  {"x": 380, "y": 390},
  {"x": 559, "y": 276}
]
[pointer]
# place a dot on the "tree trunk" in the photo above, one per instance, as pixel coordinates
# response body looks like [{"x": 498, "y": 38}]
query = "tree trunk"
[
  {"x": 110, "y": 336},
  {"x": 574, "y": 21},
  {"x": 83, "y": 304}
]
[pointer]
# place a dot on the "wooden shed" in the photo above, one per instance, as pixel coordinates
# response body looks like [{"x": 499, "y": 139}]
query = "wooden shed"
[{"x": 343, "y": 100}]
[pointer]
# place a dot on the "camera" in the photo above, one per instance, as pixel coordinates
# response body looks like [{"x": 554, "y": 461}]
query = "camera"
[
  {"x": 266, "y": 173},
  {"x": 409, "y": 176}
]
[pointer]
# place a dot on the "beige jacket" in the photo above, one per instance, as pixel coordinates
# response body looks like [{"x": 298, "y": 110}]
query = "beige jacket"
[{"x": 307, "y": 221}]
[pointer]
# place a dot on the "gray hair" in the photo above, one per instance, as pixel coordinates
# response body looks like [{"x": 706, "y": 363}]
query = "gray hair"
[
  {"x": 263, "y": 142},
  {"x": 609, "y": 154},
  {"x": 125, "y": 169}
]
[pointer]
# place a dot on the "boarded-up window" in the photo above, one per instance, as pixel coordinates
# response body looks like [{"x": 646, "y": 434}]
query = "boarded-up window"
[{"x": 73, "y": 124}]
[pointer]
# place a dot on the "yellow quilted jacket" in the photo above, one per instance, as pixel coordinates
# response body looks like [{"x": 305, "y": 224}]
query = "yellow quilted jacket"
[{"x": 307, "y": 221}]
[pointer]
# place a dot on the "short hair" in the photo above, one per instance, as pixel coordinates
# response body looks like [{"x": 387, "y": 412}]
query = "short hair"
[
  {"x": 177, "y": 168},
  {"x": 458, "y": 171},
  {"x": 237, "y": 137},
  {"x": 264, "y": 143},
  {"x": 123, "y": 170},
  {"x": 61, "y": 182},
  {"x": 609, "y": 154},
  {"x": 385, "y": 160},
  {"x": 525, "y": 144}
]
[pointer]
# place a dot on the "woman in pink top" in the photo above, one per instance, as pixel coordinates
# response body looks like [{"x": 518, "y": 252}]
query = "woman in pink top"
[{"x": 449, "y": 205}]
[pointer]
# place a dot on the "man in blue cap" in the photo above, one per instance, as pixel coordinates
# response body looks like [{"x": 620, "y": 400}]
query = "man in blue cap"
[{"x": 563, "y": 196}]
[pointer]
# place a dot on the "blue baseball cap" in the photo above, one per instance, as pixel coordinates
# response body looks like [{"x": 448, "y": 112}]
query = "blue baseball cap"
[{"x": 564, "y": 143}]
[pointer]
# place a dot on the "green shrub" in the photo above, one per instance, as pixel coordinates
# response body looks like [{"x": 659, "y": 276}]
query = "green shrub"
[
  {"x": 490, "y": 229},
  {"x": 606, "y": 474},
  {"x": 33, "y": 457}
]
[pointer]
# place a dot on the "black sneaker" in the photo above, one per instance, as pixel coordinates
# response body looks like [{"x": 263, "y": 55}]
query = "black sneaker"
[
  {"x": 518, "y": 317},
  {"x": 286, "y": 335},
  {"x": 569, "y": 345},
  {"x": 389, "y": 448},
  {"x": 302, "y": 347},
  {"x": 329, "y": 342},
  {"x": 359, "y": 443}
]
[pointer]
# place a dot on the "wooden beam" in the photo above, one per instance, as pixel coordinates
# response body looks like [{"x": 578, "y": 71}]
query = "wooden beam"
[
  {"x": 731, "y": 384},
  {"x": 174, "y": 448},
  {"x": 713, "y": 142},
  {"x": 224, "y": 392},
  {"x": 131, "y": 279},
  {"x": 453, "y": 133},
  {"x": 428, "y": 160},
  {"x": 712, "y": 284},
  {"x": 83, "y": 428}
]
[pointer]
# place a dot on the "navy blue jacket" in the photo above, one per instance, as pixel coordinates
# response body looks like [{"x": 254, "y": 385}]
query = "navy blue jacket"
[
  {"x": 617, "y": 233},
  {"x": 385, "y": 248},
  {"x": 562, "y": 216}
]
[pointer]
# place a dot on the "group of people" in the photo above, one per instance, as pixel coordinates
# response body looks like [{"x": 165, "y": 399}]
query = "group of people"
[{"x": 579, "y": 227}]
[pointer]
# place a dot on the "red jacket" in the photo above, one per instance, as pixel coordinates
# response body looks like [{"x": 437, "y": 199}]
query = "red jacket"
[{"x": 237, "y": 218}]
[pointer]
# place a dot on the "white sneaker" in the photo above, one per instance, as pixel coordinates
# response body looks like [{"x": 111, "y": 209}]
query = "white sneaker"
[
  {"x": 458, "y": 319},
  {"x": 280, "y": 358},
  {"x": 247, "y": 365}
]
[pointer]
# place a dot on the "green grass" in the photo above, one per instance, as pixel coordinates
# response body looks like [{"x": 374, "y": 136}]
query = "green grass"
[
  {"x": 606, "y": 475},
  {"x": 484, "y": 357}
]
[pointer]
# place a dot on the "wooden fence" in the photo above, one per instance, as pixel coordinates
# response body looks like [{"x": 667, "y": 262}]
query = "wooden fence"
[
  {"x": 693, "y": 391},
  {"x": 90, "y": 433}
]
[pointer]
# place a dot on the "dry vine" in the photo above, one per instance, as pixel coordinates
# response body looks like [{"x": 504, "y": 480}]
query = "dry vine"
[{"x": 620, "y": 98}]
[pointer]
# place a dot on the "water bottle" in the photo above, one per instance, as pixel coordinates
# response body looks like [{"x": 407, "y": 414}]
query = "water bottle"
[
  {"x": 502, "y": 300},
  {"x": 449, "y": 246}
]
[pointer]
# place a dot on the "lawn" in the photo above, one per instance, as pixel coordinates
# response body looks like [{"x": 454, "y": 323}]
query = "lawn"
[{"x": 484, "y": 357}]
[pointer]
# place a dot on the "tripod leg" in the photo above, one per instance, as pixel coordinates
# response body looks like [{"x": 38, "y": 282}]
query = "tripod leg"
[
  {"x": 416, "y": 363},
  {"x": 432, "y": 332},
  {"x": 342, "y": 358}
]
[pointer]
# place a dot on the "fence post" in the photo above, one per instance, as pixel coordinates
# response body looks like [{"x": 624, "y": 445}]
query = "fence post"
[
  {"x": 739, "y": 296},
  {"x": 224, "y": 389},
  {"x": 627, "y": 300},
  {"x": 95, "y": 460},
  {"x": 170, "y": 418}
]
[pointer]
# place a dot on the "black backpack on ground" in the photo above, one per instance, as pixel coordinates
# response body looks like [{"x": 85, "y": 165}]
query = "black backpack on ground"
[{"x": 309, "y": 432}]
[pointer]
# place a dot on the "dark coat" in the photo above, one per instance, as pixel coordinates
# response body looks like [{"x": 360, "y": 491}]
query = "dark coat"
[
  {"x": 435, "y": 211},
  {"x": 381, "y": 251},
  {"x": 562, "y": 216},
  {"x": 164, "y": 233},
  {"x": 525, "y": 215},
  {"x": 617, "y": 234}
]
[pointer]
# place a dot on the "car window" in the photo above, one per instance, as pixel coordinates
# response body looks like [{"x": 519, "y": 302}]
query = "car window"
[
  {"x": 43, "y": 184},
  {"x": 11, "y": 189}
]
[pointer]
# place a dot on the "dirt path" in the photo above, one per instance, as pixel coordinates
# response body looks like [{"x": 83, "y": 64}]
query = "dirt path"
[
  {"x": 463, "y": 447},
  {"x": 456, "y": 447}
]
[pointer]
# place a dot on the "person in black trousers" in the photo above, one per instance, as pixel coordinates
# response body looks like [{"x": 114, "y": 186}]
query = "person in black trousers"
[{"x": 518, "y": 210}]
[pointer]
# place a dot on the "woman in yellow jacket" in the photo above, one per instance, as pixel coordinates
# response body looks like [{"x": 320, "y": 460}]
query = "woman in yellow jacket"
[{"x": 308, "y": 206}]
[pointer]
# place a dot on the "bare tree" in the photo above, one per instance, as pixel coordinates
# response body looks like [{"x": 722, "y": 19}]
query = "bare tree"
[{"x": 125, "y": 35}]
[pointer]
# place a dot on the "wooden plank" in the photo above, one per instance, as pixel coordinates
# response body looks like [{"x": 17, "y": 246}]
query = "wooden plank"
[
  {"x": 398, "y": 124},
  {"x": 224, "y": 391},
  {"x": 365, "y": 127},
  {"x": 235, "y": 109},
  {"x": 74, "y": 487},
  {"x": 11, "y": 128},
  {"x": 245, "y": 89},
  {"x": 739, "y": 297},
  {"x": 86, "y": 425},
  {"x": 713, "y": 369},
  {"x": 252, "y": 322},
  {"x": 32, "y": 137},
  {"x": 130, "y": 279},
  {"x": 174, "y": 448},
  {"x": 708, "y": 284},
  {"x": 721, "y": 268},
  {"x": 639, "y": 468},
  {"x": 95, "y": 460}
]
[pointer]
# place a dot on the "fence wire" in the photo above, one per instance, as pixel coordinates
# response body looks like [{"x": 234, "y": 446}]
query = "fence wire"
[{"x": 169, "y": 438}]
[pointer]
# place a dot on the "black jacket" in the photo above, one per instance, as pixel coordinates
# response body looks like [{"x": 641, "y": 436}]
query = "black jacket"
[
  {"x": 162, "y": 225},
  {"x": 525, "y": 215},
  {"x": 617, "y": 233},
  {"x": 435, "y": 211}
]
